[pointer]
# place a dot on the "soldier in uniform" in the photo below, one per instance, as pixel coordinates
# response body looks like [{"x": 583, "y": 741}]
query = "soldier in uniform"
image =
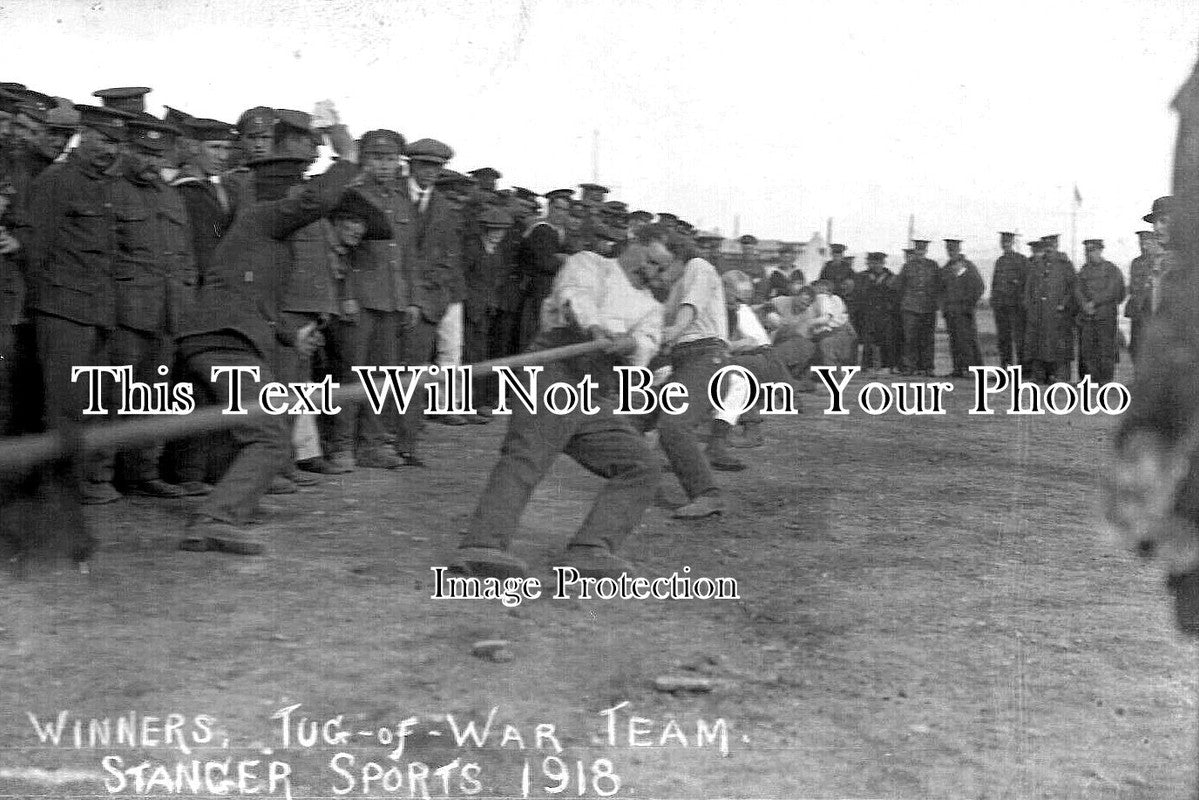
[
  {"x": 875, "y": 289},
  {"x": 1137, "y": 307},
  {"x": 593, "y": 299},
  {"x": 256, "y": 140},
  {"x": 1098, "y": 292},
  {"x": 155, "y": 273},
  {"x": 837, "y": 270},
  {"x": 12, "y": 306},
  {"x": 389, "y": 283},
  {"x": 961, "y": 289},
  {"x": 919, "y": 289},
  {"x": 1007, "y": 296},
  {"x": 593, "y": 194},
  {"x": 1049, "y": 298},
  {"x": 70, "y": 249},
  {"x": 236, "y": 322}
]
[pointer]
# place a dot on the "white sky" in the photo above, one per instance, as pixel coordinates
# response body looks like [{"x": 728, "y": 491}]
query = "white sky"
[{"x": 974, "y": 115}]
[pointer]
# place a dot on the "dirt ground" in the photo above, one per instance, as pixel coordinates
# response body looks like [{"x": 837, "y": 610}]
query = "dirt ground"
[{"x": 927, "y": 610}]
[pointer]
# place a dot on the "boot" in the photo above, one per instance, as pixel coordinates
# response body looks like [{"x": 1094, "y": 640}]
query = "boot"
[
  {"x": 750, "y": 437},
  {"x": 719, "y": 456}
]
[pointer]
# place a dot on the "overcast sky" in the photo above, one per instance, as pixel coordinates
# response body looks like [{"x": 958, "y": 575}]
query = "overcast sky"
[{"x": 973, "y": 115}]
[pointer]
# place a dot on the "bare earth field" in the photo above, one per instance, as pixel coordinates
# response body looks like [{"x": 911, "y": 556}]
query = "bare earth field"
[{"x": 927, "y": 611}]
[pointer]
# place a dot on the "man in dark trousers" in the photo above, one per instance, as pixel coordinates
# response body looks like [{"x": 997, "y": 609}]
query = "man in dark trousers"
[
  {"x": 1098, "y": 292},
  {"x": 875, "y": 290},
  {"x": 919, "y": 288},
  {"x": 593, "y": 299},
  {"x": 837, "y": 270},
  {"x": 1007, "y": 299},
  {"x": 236, "y": 321},
  {"x": 431, "y": 252},
  {"x": 70, "y": 245},
  {"x": 155, "y": 272},
  {"x": 388, "y": 283},
  {"x": 962, "y": 287},
  {"x": 486, "y": 267},
  {"x": 1049, "y": 328}
]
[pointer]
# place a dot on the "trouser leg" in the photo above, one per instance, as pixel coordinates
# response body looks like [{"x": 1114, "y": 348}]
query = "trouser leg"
[
  {"x": 530, "y": 446},
  {"x": 63, "y": 345},
  {"x": 693, "y": 367},
  {"x": 414, "y": 347},
  {"x": 261, "y": 441},
  {"x": 611, "y": 449},
  {"x": 144, "y": 352}
]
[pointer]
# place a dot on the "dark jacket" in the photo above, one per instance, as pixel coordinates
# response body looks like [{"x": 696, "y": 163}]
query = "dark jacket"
[
  {"x": 919, "y": 286},
  {"x": 1103, "y": 285},
  {"x": 961, "y": 292},
  {"x": 70, "y": 243},
  {"x": 209, "y": 219},
  {"x": 1049, "y": 300},
  {"x": 253, "y": 263},
  {"x": 153, "y": 266},
  {"x": 1007, "y": 282}
]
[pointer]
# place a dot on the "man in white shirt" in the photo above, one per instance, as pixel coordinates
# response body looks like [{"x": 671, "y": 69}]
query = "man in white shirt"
[
  {"x": 698, "y": 338},
  {"x": 592, "y": 298}
]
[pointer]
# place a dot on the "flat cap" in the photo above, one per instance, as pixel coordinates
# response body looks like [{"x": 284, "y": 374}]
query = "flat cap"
[
  {"x": 1146, "y": 234},
  {"x": 565, "y": 193},
  {"x": 496, "y": 218},
  {"x": 1162, "y": 205},
  {"x": 876, "y": 256},
  {"x": 616, "y": 206},
  {"x": 152, "y": 135},
  {"x": 837, "y": 248},
  {"x": 109, "y": 121},
  {"x": 952, "y": 241},
  {"x": 521, "y": 193},
  {"x": 1092, "y": 243},
  {"x": 208, "y": 130},
  {"x": 1006, "y": 235},
  {"x": 429, "y": 150},
  {"x": 382, "y": 141},
  {"x": 594, "y": 187},
  {"x": 486, "y": 174},
  {"x": 918, "y": 243},
  {"x": 353, "y": 204},
  {"x": 259, "y": 119},
  {"x": 640, "y": 216},
  {"x": 1035, "y": 244},
  {"x": 707, "y": 236},
  {"x": 124, "y": 98},
  {"x": 748, "y": 239},
  {"x": 666, "y": 216},
  {"x": 1051, "y": 237}
]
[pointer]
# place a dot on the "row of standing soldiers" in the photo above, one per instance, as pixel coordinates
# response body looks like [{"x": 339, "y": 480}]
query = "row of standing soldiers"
[{"x": 1042, "y": 306}]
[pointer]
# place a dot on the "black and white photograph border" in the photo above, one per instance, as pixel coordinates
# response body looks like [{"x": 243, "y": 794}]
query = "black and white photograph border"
[{"x": 821, "y": 573}]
